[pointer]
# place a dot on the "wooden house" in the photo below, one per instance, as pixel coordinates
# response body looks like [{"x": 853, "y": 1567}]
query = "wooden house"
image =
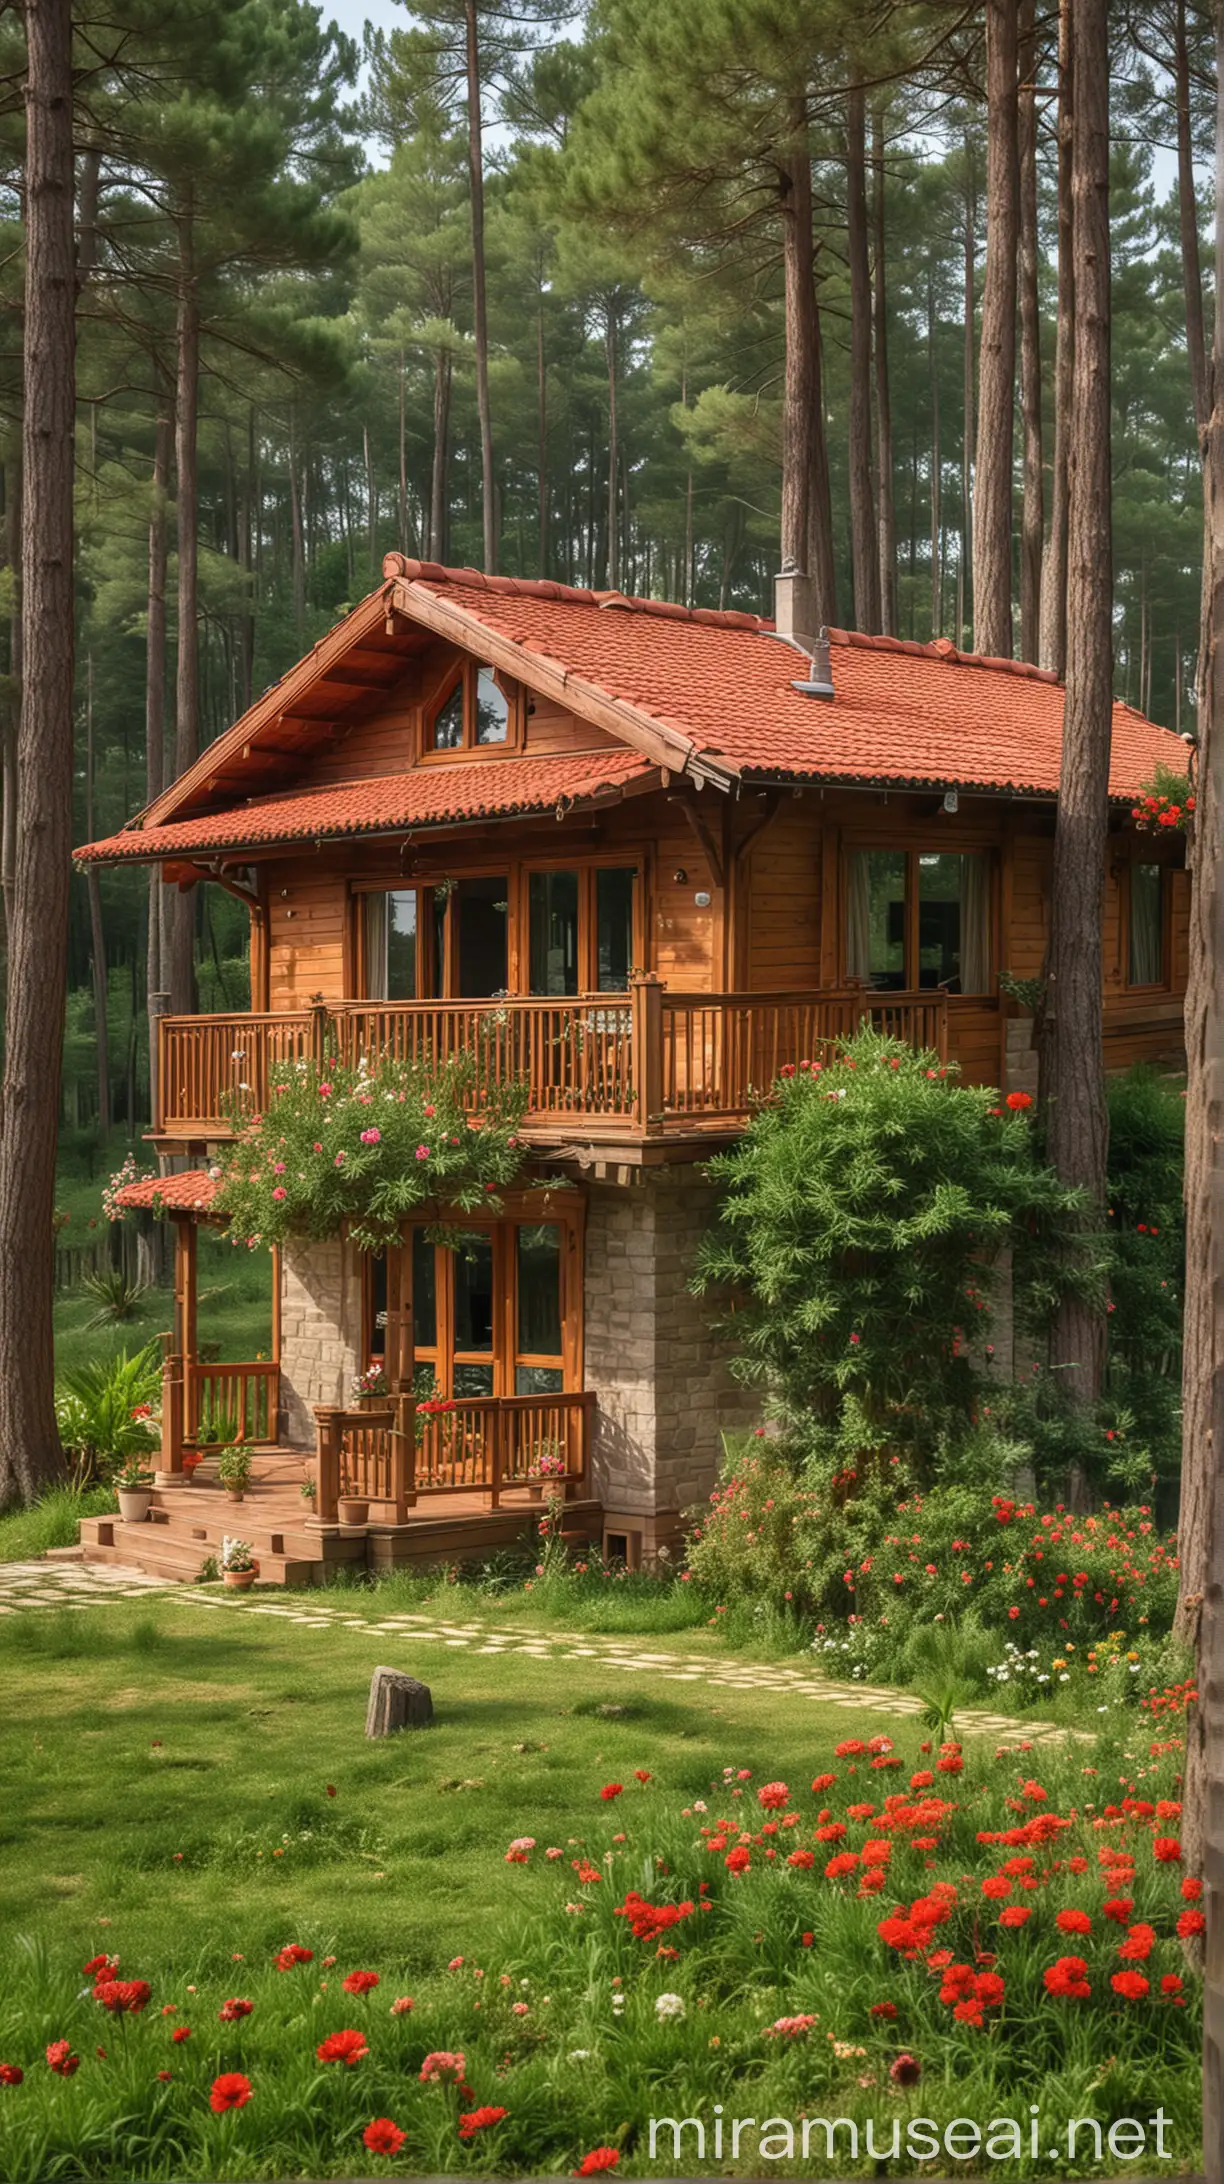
[{"x": 642, "y": 856}]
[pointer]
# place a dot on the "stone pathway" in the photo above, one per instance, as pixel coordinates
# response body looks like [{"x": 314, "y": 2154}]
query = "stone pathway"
[{"x": 26, "y": 1585}]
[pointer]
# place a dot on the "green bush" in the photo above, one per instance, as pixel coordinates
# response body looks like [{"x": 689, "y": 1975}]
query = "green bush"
[
  {"x": 861, "y": 1218},
  {"x": 1147, "y": 1234},
  {"x": 106, "y": 1410}
]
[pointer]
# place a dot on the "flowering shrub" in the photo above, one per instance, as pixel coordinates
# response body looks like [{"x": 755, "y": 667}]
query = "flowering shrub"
[
  {"x": 1000, "y": 1927},
  {"x": 860, "y": 1216},
  {"x": 1165, "y": 803},
  {"x": 367, "y": 1146}
]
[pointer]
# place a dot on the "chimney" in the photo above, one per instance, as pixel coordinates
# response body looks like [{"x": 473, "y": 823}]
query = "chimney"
[{"x": 795, "y": 607}]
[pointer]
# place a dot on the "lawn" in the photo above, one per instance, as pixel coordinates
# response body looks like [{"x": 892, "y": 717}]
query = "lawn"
[{"x": 189, "y": 1789}]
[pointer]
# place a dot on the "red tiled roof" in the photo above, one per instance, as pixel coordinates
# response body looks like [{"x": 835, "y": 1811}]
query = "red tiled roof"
[
  {"x": 191, "y": 1192},
  {"x": 903, "y": 712},
  {"x": 427, "y": 796}
]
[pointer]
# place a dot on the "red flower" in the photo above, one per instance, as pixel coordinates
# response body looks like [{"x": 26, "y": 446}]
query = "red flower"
[
  {"x": 846, "y": 1861},
  {"x": 883, "y": 2009},
  {"x": 611, "y": 1790},
  {"x": 1189, "y": 1924},
  {"x": 342, "y": 2047},
  {"x": 230, "y": 2090},
  {"x": 1170, "y": 1984},
  {"x": 382, "y": 2136},
  {"x": 1018, "y": 1101},
  {"x": 1191, "y": 1888},
  {"x": 1137, "y": 1947},
  {"x": 1016, "y": 1914},
  {"x": 772, "y": 1796},
  {"x": 1132, "y": 1985},
  {"x": 292, "y": 1954},
  {"x": 1073, "y": 1922},
  {"x": 1119, "y": 1909},
  {"x": 479, "y": 2119},
  {"x": 231, "y": 2011},
  {"x": 823, "y": 1782},
  {"x": 951, "y": 1763},
  {"x": 599, "y": 2159},
  {"x": 1067, "y": 1977},
  {"x": 99, "y": 1966},
  {"x": 738, "y": 1860},
  {"x": 642, "y": 1774},
  {"x": 10, "y": 2074},
  {"x": 851, "y": 1749},
  {"x": 180, "y": 2033},
  {"x": 906, "y": 2070},
  {"x": 359, "y": 1982},
  {"x": 802, "y": 1858},
  {"x": 443, "y": 2067},
  {"x": 1166, "y": 1850},
  {"x": 996, "y": 1885},
  {"x": 61, "y": 2059},
  {"x": 118, "y": 1995},
  {"x": 164, "y": 2077}
]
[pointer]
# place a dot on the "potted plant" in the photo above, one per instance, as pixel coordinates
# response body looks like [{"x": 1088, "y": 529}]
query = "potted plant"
[
  {"x": 239, "y": 1569},
  {"x": 309, "y": 1492},
  {"x": 134, "y": 1486},
  {"x": 547, "y": 1463},
  {"x": 370, "y": 1386},
  {"x": 191, "y": 1461},
  {"x": 352, "y": 1508},
  {"x": 234, "y": 1470}
]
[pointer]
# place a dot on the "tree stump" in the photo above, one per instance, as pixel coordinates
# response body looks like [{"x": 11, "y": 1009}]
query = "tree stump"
[{"x": 397, "y": 1702}]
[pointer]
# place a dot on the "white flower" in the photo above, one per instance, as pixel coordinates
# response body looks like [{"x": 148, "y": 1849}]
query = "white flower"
[
  {"x": 700, "y": 1805},
  {"x": 579, "y": 2055},
  {"x": 669, "y": 2005}
]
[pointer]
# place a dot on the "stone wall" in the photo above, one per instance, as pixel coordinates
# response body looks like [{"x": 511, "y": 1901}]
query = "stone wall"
[
  {"x": 320, "y": 1332},
  {"x": 658, "y": 1370}
]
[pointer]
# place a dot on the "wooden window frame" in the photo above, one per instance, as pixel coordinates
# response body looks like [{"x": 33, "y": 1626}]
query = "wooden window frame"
[
  {"x": 588, "y": 932},
  {"x": 1126, "y": 875},
  {"x": 463, "y": 674},
  {"x": 506, "y": 1356},
  {"x": 434, "y": 976},
  {"x": 912, "y": 851}
]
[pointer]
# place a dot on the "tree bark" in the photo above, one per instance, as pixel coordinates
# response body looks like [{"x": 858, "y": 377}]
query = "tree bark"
[
  {"x": 992, "y": 509},
  {"x": 864, "y": 541},
  {"x": 1200, "y": 1609},
  {"x": 936, "y": 470},
  {"x": 1032, "y": 532},
  {"x": 1187, "y": 216},
  {"x": 964, "y": 594},
  {"x": 480, "y": 324},
  {"x": 12, "y": 723},
  {"x": 439, "y": 481},
  {"x": 1053, "y": 650},
  {"x": 884, "y": 432},
  {"x": 541, "y": 440},
  {"x": 30, "y": 1455},
  {"x": 178, "y": 907},
  {"x": 1077, "y": 1124},
  {"x": 807, "y": 513},
  {"x": 157, "y": 773},
  {"x": 97, "y": 929},
  {"x": 612, "y": 558}
]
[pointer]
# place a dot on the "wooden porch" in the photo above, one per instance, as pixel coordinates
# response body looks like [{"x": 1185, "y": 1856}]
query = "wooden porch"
[{"x": 651, "y": 1063}]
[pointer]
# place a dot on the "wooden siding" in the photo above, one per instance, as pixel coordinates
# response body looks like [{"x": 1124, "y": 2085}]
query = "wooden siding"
[{"x": 782, "y": 912}]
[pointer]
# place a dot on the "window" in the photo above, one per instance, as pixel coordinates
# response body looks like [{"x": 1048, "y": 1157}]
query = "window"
[
  {"x": 1146, "y": 925},
  {"x": 919, "y": 919},
  {"x": 580, "y": 930},
  {"x": 474, "y": 714},
  {"x": 491, "y": 1316},
  {"x": 391, "y": 959}
]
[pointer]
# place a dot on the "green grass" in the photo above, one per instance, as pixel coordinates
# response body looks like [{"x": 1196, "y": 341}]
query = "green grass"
[{"x": 52, "y": 1522}]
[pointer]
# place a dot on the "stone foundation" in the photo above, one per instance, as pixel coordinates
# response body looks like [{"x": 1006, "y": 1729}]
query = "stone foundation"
[
  {"x": 320, "y": 1332},
  {"x": 656, "y": 1367},
  {"x": 1021, "y": 1069}
]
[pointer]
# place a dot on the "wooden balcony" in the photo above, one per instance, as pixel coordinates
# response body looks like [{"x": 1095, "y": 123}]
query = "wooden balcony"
[
  {"x": 651, "y": 1063},
  {"x": 391, "y": 1455}
]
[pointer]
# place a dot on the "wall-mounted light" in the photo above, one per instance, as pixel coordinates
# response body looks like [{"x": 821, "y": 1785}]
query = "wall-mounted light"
[
  {"x": 701, "y": 899},
  {"x": 679, "y": 876},
  {"x": 951, "y": 800}
]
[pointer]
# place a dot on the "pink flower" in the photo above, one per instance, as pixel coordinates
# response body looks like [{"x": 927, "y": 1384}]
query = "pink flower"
[
  {"x": 371, "y": 1137},
  {"x": 339, "y": 1160},
  {"x": 280, "y": 1191},
  {"x": 401, "y": 2005},
  {"x": 422, "y": 1152}
]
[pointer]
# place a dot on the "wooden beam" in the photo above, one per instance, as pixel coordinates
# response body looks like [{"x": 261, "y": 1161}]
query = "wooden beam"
[{"x": 704, "y": 834}]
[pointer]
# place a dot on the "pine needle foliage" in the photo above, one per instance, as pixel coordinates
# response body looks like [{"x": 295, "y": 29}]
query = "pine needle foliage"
[{"x": 864, "y": 1218}]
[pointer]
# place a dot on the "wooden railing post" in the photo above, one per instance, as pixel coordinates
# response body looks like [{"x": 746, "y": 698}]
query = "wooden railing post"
[
  {"x": 647, "y": 1034},
  {"x": 170, "y": 1471},
  {"x": 501, "y": 1426},
  {"x": 403, "y": 1455},
  {"x": 327, "y": 1464},
  {"x": 318, "y": 1030}
]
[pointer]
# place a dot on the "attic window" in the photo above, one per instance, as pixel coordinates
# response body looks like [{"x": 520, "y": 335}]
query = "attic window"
[{"x": 476, "y": 713}]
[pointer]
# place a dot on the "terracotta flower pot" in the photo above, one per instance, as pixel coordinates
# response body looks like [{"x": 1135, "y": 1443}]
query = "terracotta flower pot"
[
  {"x": 350, "y": 1510},
  {"x": 233, "y": 1493},
  {"x": 135, "y": 1503},
  {"x": 535, "y": 1489},
  {"x": 240, "y": 1580}
]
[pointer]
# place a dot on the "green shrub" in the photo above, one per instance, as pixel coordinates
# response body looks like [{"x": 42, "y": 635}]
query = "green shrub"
[
  {"x": 1147, "y": 1234},
  {"x": 106, "y": 1411},
  {"x": 862, "y": 1214}
]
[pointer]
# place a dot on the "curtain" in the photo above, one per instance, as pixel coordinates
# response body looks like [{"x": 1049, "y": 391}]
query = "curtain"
[
  {"x": 975, "y": 924},
  {"x": 858, "y": 916},
  {"x": 1146, "y": 934},
  {"x": 376, "y": 947}
]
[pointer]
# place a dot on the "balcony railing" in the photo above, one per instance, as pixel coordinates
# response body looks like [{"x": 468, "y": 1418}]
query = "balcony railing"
[
  {"x": 389, "y": 1454},
  {"x": 639, "y": 1065}
]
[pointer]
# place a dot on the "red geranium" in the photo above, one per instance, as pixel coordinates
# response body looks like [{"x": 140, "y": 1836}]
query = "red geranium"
[
  {"x": 772, "y": 1796},
  {"x": 359, "y": 1982},
  {"x": 1073, "y": 1922},
  {"x": 906, "y": 2070},
  {"x": 1132, "y": 1985},
  {"x": 611, "y": 1790},
  {"x": 230, "y": 2090},
  {"x": 1015, "y": 1914},
  {"x": 292, "y": 1954},
  {"x": 599, "y": 2159},
  {"x": 1191, "y": 1888},
  {"x": 236, "y": 2007},
  {"x": 120, "y": 1995},
  {"x": 99, "y": 1967},
  {"x": 1137, "y": 1947},
  {"x": 738, "y": 1860},
  {"x": 180, "y": 2033},
  {"x": 10, "y": 2074},
  {"x": 1018, "y": 1101},
  {"x": 444, "y": 2067},
  {"x": 996, "y": 1885},
  {"x": 61, "y": 2059},
  {"x": 479, "y": 2119},
  {"x": 1166, "y": 1850},
  {"x": 382, "y": 2136},
  {"x": 1189, "y": 1924},
  {"x": 342, "y": 2047},
  {"x": 1119, "y": 1908}
]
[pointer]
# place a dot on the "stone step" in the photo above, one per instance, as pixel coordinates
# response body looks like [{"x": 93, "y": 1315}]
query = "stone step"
[{"x": 206, "y": 1520}]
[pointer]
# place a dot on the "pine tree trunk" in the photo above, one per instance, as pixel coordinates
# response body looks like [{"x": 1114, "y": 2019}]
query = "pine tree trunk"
[
  {"x": 821, "y": 560},
  {"x": 439, "y": 487},
  {"x": 936, "y": 471},
  {"x": 480, "y": 324},
  {"x": 541, "y": 441},
  {"x": 178, "y": 909},
  {"x": 884, "y": 434},
  {"x": 612, "y": 561},
  {"x": 1200, "y": 1609},
  {"x": 964, "y": 577},
  {"x": 156, "y": 770},
  {"x": 1187, "y": 214},
  {"x": 1053, "y": 650},
  {"x": 807, "y": 512},
  {"x": 97, "y": 930},
  {"x": 1032, "y": 534},
  {"x": 992, "y": 502},
  {"x": 298, "y": 533},
  {"x": 12, "y": 720},
  {"x": 30, "y": 1455},
  {"x": 1077, "y": 1124},
  {"x": 864, "y": 542}
]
